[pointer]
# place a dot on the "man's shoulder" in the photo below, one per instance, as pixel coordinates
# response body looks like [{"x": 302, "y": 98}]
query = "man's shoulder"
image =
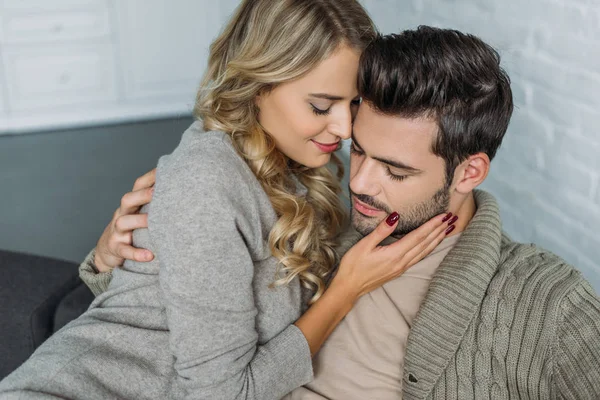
[
  {"x": 535, "y": 273},
  {"x": 531, "y": 290}
]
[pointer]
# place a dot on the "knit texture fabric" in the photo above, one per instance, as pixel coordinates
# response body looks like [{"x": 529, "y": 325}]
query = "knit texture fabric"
[
  {"x": 88, "y": 273},
  {"x": 504, "y": 320}
]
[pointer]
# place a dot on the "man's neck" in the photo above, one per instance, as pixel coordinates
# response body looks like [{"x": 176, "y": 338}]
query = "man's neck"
[{"x": 465, "y": 213}]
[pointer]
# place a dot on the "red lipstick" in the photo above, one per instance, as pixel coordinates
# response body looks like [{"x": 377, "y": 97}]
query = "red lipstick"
[{"x": 326, "y": 147}]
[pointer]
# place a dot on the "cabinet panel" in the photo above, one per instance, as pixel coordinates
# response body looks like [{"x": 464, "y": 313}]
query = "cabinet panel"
[
  {"x": 164, "y": 46},
  {"x": 46, "y": 5},
  {"x": 55, "y": 26},
  {"x": 46, "y": 77}
]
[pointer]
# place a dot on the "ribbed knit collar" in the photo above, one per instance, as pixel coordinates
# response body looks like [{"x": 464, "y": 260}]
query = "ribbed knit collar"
[{"x": 455, "y": 295}]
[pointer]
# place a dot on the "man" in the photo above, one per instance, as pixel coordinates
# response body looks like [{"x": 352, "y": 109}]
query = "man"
[
  {"x": 496, "y": 319},
  {"x": 482, "y": 316}
]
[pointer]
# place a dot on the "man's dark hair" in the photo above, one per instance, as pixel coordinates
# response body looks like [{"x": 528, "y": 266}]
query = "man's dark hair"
[{"x": 452, "y": 77}]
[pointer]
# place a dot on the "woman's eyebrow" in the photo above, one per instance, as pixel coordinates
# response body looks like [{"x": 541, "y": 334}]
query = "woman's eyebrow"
[{"x": 326, "y": 96}]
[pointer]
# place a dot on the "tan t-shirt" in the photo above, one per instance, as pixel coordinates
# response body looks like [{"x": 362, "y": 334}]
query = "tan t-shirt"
[{"x": 364, "y": 356}]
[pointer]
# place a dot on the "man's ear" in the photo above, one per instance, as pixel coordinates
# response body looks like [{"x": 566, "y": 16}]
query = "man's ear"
[{"x": 471, "y": 173}]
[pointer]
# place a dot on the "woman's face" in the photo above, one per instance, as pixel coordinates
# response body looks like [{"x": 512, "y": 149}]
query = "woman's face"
[{"x": 309, "y": 116}]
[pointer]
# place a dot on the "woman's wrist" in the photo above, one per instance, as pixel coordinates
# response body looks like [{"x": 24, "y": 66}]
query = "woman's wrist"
[
  {"x": 325, "y": 314},
  {"x": 341, "y": 289},
  {"x": 99, "y": 266},
  {"x": 344, "y": 286},
  {"x": 94, "y": 263}
]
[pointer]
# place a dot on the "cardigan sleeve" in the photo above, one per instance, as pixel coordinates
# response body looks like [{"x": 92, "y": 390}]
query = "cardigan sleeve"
[
  {"x": 577, "y": 357},
  {"x": 96, "y": 281},
  {"x": 206, "y": 275}
]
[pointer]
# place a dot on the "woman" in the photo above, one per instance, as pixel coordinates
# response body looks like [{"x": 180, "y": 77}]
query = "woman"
[{"x": 243, "y": 222}]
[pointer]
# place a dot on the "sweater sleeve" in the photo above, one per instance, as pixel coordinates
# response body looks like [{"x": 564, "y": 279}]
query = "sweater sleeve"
[
  {"x": 96, "y": 281},
  {"x": 206, "y": 277},
  {"x": 577, "y": 363}
]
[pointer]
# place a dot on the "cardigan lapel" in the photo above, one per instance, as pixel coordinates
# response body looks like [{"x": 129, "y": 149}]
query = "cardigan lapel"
[{"x": 454, "y": 297}]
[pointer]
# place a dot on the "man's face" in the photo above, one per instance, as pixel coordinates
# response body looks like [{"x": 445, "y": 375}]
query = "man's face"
[{"x": 392, "y": 168}]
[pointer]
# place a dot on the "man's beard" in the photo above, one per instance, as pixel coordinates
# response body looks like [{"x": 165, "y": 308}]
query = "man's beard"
[{"x": 409, "y": 220}]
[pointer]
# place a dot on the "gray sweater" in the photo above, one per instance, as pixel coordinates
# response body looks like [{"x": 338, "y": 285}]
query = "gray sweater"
[
  {"x": 200, "y": 321},
  {"x": 501, "y": 320}
]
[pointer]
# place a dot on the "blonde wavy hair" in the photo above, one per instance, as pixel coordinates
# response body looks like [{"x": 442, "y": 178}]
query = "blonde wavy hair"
[{"x": 266, "y": 43}]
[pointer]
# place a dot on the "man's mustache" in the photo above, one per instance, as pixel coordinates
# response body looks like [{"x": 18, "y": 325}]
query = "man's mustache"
[{"x": 370, "y": 201}]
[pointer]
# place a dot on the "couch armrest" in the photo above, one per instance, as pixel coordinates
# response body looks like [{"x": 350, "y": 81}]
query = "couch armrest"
[
  {"x": 72, "y": 305},
  {"x": 31, "y": 287}
]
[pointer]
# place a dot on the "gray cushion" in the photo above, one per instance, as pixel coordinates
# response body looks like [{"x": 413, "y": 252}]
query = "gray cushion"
[
  {"x": 31, "y": 287},
  {"x": 72, "y": 305}
]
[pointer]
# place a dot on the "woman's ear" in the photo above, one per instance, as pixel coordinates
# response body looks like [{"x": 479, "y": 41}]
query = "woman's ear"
[
  {"x": 257, "y": 100},
  {"x": 262, "y": 94},
  {"x": 471, "y": 173}
]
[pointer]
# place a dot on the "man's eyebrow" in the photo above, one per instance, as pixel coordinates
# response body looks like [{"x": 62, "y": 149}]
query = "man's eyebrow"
[
  {"x": 326, "y": 96},
  {"x": 393, "y": 163}
]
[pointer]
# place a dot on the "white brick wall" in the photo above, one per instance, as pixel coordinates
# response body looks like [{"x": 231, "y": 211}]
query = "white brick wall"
[{"x": 546, "y": 175}]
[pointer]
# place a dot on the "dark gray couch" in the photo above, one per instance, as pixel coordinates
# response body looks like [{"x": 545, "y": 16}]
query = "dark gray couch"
[{"x": 38, "y": 296}]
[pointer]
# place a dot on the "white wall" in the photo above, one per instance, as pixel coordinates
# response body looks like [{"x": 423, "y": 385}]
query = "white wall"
[{"x": 546, "y": 176}]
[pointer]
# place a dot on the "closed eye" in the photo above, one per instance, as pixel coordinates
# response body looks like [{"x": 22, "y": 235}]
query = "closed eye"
[
  {"x": 318, "y": 111},
  {"x": 355, "y": 150},
  {"x": 395, "y": 177}
]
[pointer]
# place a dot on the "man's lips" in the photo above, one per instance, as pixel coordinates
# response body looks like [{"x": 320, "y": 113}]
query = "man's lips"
[
  {"x": 365, "y": 209},
  {"x": 326, "y": 147}
]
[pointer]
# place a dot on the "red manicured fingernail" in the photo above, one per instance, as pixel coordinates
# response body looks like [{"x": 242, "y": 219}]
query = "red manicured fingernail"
[
  {"x": 450, "y": 229},
  {"x": 391, "y": 220},
  {"x": 453, "y": 220},
  {"x": 447, "y": 217}
]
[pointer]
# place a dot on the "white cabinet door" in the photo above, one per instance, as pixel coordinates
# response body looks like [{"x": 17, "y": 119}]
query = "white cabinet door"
[
  {"x": 58, "y": 25},
  {"x": 164, "y": 46},
  {"x": 49, "y": 77},
  {"x": 45, "y": 5}
]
